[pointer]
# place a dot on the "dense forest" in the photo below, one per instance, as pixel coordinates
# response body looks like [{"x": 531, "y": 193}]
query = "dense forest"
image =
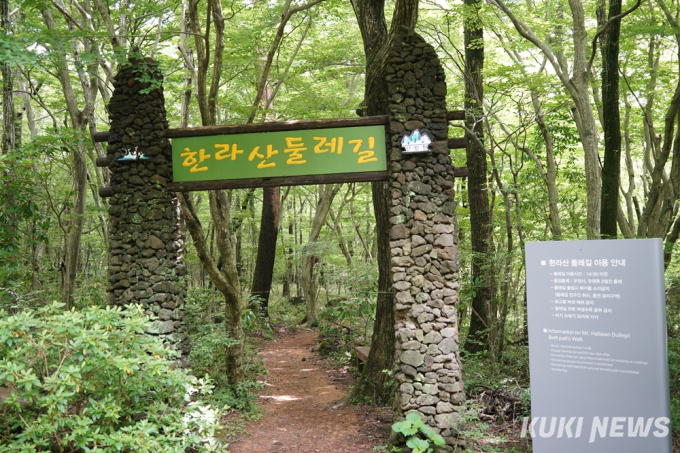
[{"x": 570, "y": 131}]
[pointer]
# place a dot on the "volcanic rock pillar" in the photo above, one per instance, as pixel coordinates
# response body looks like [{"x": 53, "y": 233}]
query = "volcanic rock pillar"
[
  {"x": 423, "y": 240},
  {"x": 147, "y": 242}
]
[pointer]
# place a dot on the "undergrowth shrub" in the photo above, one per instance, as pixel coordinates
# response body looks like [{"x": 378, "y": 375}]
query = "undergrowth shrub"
[
  {"x": 674, "y": 378},
  {"x": 91, "y": 380},
  {"x": 512, "y": 369},
  {"x": 673, "y": 320},
  {"x": 209, "y": 341},
  {"x": 286, "y": 313},
  {"x": 418, "y": 436}
]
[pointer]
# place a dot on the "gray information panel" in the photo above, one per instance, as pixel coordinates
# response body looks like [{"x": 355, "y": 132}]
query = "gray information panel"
[{"x": 597, "y": 347}]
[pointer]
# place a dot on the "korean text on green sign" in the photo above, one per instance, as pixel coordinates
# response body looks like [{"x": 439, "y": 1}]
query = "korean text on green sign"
[{"x": 277, "y": 154}]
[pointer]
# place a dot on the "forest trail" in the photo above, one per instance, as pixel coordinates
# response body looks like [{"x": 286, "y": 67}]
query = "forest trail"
[{"x": 303, "y": 405}]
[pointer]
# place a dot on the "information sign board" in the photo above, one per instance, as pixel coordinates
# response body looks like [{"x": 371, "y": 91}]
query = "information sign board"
[
  {"x": 597, "y": 347},
  {"x": 279, "y": 154}
]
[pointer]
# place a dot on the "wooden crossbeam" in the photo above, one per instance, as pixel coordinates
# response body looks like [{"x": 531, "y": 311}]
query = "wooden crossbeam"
[
  {"x": 453, "y": 143},
  {"x": 453, "y": 115},
  {"x": 460, "y": 172},
  {"x": 362, "y": 352},
  {"x": 457, "y": 143}
]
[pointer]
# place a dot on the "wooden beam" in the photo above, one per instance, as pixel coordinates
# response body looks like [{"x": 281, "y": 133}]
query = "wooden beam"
[
  {"x": 460, "y": 172},
  {"x": 265, "y": 127},
  {"x": 102, "y": 162},
  {"x": 455, "y": 115},
  {"x": 106, "y": 192},
  {"x": 277, "y": 127},
  {"x": 458, "y": 143},
  {"x": 99, "y": 137},
  {"x": 278, "y": 181},
  {"x": 362, "y": 352}
]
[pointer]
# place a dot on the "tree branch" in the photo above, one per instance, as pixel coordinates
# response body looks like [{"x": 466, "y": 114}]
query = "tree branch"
[
  {"x": 599, "y": 33},
  {"x": 285, "y": 17}
]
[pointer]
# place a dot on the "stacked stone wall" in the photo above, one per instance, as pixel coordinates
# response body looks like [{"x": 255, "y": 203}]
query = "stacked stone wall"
[
  {"x": 423, "y": 240},
  {"x": 147, "y": 241}
]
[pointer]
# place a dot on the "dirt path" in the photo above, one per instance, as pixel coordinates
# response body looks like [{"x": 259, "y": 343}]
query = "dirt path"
[{"x": 303, "y": 407}]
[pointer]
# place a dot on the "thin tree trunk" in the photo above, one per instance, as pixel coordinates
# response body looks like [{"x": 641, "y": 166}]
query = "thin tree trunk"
[
  {"x": 551, "y": 170},
  {"x": 266, "y": 247},
  {"x": 8, "y": 119},
  {"x": 382, "y": 354},
  {"x": 577, "y": 84},
  {"x": 326, "y": 195},
  {"x": 658, "y": 216},
  {"x": 288, "y": 276},
  {"x": 370, "y": 15},
  {"x": 482, "y": 317},
  {"x": 225, "y": 279},
  {"x": 611, "y": 168},
  {"x": 224, "y": 276},
  {"x": 337, "y": 227},
  {"x": 80, "y": 121}
]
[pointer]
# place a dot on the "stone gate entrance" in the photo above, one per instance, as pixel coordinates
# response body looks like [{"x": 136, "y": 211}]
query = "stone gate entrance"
[{"x": 146, "y": 250}]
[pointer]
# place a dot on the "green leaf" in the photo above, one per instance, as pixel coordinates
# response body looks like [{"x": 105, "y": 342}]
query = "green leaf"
[
  {"x": 405, "y": 428},
  {"x": 415, "y": 420},
  {"x": 418, "y": 445}
]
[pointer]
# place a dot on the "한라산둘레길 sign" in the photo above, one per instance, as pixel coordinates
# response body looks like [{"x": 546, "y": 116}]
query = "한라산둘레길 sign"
[{"x": 279, "y": 154}]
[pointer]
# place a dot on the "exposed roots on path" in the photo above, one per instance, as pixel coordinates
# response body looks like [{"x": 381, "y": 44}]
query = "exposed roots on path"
[{"x": 303, "y": 405}]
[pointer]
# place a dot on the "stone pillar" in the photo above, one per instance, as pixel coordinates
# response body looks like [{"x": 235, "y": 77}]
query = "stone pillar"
[
  {"x": 423, "y": 240},
  {"x": 147, "y": 242}
]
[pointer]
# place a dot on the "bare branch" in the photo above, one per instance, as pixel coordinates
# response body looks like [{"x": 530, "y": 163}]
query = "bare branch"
[
  {"x": 285, "y": 17},
  {"x": 599, "y": 33}
]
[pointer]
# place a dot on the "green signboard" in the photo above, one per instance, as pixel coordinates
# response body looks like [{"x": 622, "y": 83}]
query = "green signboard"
[{"x": 279, "y": 154}]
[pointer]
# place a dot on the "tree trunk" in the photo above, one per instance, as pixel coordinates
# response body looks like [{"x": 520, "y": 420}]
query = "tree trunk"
[
  {"x": 75, "y": 228},
  {"x": 225, "y": 277},
  {"x": 326, "y": 195},
  {"x": 611, "y": 168},
  {"x": 577, "y": 84},
  {"x": 266, "y": 247},
  {"x": 8, "y": 123},
  {"x": 373, "y": 380},
  {"x": 550, "y": 175},
  {"x": 373, "y": 26},
  {"x": 658, "y": 217},
  {"x": 289, "y": 273},
  {"x": 79, "y": 120},
  {"x": 482, "y": 316}
]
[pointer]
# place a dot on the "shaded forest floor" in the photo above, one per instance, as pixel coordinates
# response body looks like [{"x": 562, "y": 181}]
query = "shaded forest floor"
[{"x": 304, "y": 407}]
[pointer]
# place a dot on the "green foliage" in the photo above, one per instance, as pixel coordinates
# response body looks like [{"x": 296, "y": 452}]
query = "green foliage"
[
  {"x": 253, "y": 318},
  {"x": 674, "y": 379},
  {"x": 673, "y": 330},
  {"x": 675, "y": 416},
  {"x": 208, "y": 350},
  {"x": 241, "y": 397},
  {"x": 21, "y": 219},
  {"x": 94, "y": 381},
  {"x": 91, "y": 293},
  {"x": 208, "y": 353},
  {"x": 419, "y": 436},
  {"x": 361, "y": 309},
  {"x": 512, "y": 369},
  {"x": 283, "y": 312}
]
